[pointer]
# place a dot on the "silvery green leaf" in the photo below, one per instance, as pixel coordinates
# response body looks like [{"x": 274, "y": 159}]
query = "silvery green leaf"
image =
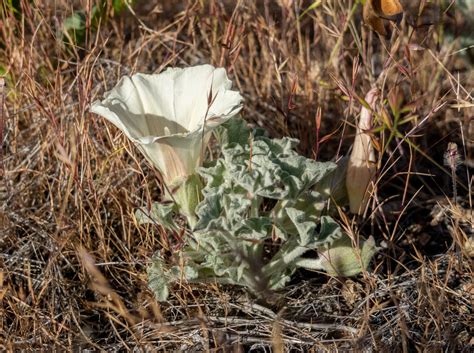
[
  {"x": 255, "y": 228},
  {"x": 306, "y": 230},
  {"x": 272, "y": 169},
  {"x": 280, "y": 280},
  {"x": 187, "y": 272},
  {"x": 285, "y": 258},
  {"x": 234, "y": 131},
  {"x": 159, "y": 213},
  {"x": 239, "y": 218},
  {"x": 215, "y": 177},
  {"x": 279, "y": 233},
  {"x": 160, "y": 277},
  {"x": 330, "y": 231},
  {"x": 337, "y": 255},
  {"x": 236, "y": 207},
  {"x": 75, "y": 22},
  {"x": 312, "y": 203},
  {"x": 333, "y": 185},
  {"x": 208, "y": 210},
  {"x": 240, "y": 271},
  {"x": 341, "y": 258},
  {"x": 308, "y": 236},
  {"x": 157, "y": 278}
]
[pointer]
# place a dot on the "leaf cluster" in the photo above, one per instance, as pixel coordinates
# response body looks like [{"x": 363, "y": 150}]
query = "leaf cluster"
[{"x": 264, "y": 206}]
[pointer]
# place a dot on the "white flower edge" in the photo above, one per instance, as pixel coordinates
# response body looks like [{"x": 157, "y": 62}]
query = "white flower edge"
[{"x": 156, "y": 94}]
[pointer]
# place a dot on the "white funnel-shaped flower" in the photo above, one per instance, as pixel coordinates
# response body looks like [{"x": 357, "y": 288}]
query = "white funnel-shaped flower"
[
  {"x": 361, "y": 167},
  {"x": 169, "y": 116}
]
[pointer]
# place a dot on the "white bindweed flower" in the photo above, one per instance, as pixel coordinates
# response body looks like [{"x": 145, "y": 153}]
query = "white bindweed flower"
[{"x": 170, "y": 116}]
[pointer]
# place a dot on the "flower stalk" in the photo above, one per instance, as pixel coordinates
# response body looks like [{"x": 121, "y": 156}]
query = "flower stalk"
[{"x": 187, "y": 196}]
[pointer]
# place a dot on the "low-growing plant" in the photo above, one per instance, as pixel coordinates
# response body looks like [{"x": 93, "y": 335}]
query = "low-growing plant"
[
  {"x": 254, "y": 213},
  {"x": 264, "y": 208}
]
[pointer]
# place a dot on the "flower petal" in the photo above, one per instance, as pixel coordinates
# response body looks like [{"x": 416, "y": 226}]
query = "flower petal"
[
  {"x": 141, "y": 105},
  {"x": 176, "y": 156},
  {"x": 193, "y": 86}
]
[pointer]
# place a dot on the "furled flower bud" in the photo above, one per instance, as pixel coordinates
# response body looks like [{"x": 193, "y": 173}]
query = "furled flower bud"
[{"x": 361, "y": 168}]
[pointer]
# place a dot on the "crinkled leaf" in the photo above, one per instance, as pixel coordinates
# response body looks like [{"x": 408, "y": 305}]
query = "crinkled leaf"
[
  {"x": 333, "y": 185},
  {"x": 306, "y": 230},
  {"x": 157, "y": 278},
  {"x": 238, "y": 218},
  {"x": 208, "y": 210},
  {"x": 311, "y": 203},
  {"x": 340, "y": 258},
  {"x": 159, "y": 213},
  {"x": 272, "y": 169},
  {"x": 233, "y": 131},
  {"x": 330, "y": 231},
  {"x": 255, "y": 228},
  {"x": 290, "y": 255}
]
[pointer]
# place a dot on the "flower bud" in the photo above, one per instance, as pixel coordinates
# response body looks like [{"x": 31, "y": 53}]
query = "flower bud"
[{"x": 361, "y": 167}]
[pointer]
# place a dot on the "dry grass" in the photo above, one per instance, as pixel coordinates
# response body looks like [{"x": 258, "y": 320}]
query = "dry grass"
[{"x": 73, "y": 259}]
